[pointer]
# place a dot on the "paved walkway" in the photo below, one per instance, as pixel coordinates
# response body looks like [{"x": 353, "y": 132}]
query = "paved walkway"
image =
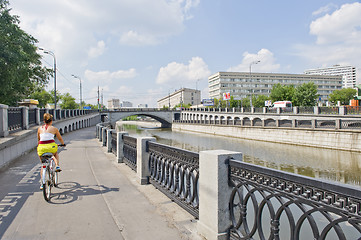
[{"x": 97, "y": 198}]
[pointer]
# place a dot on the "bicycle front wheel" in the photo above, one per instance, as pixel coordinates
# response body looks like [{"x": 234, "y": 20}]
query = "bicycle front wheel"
[{"x": 46, "y": 185}]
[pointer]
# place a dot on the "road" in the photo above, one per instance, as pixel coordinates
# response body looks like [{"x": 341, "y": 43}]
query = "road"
[{"x": 96, "y": 199}]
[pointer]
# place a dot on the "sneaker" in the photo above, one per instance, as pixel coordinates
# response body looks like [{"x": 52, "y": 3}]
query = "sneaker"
[
  {"x": 41, "y": 186},
  {"x": 57, "y": 169}
]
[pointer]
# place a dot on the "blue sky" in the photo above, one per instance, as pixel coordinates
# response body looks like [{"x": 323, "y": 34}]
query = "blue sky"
[{"x": 140, "y": 50}]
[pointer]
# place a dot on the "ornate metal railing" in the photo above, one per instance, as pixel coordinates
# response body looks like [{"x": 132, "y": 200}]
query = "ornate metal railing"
[
  {"x": 175, "y": 172},
  {"x": 32, "y": 117},
  {"x": 306, "y": 110},
  {"x": 130, "y": 152},
  {"x": 271, "y": 204},
  {"x": 15, "y": 119}
]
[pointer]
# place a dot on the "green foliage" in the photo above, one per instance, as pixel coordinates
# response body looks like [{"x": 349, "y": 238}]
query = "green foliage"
[
  {"x": 302, "y": 95},
  {"x": 282, "y": 93},
  {"x": 68, "y": 102},
  {"x": 343, "y": 95},
  {"x": 21, "y": 71},
  {"x": 258, "y": 101},
  {"x": 43, "y": 97},
  {"x": 305, "y": 95}
]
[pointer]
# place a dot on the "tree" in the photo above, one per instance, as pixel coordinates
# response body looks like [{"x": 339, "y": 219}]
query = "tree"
[
  {"x": 43, "y": 97},
  {"x": 21, "y": 71},
  {"x": 68, "y": 102},
  {"x": 343, "y": 95},
  {"x": 305, "y": 95},
  {"x": 258, "y": 101},
  {"x": 282, "y": 92}
]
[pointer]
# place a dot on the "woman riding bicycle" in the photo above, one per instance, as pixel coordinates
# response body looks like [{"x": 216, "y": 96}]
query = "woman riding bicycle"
[{"x": 46, "y": 142}]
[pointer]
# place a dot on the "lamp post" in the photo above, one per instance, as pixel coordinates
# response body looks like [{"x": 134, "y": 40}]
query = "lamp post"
[
  {"x": 52, "y": 54},
  {"x": 81, "y": 101},
  {"x": 250, "y": 78},
  {"x": 196, "y": 92}
]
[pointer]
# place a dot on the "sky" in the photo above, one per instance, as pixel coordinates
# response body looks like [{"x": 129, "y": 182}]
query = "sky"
[{"x": 142, "y": 50}]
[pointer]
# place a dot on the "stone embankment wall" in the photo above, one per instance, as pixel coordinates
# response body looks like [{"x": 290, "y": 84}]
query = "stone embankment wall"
[{"x": 337, "y": 139}]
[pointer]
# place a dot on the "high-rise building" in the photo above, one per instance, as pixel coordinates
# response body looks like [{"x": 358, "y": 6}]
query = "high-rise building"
[
  {"x": 243, "y": 84},
  {"x": 126, "y": 104},
  {"x": 348, "y": 74},
  {"x": 183, "y": 96}
]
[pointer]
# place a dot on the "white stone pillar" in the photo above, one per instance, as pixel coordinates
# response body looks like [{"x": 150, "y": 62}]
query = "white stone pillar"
[
  {"x": 109, "y": 140},
  {"x": 120, "y": 146},
  {"x": 25, "y": 116},
  {"x": 104, "y": 136},
  {"x": 143, "y": 160},
  {"x": 214, "y": 193},
  {"x": 4, "y": 120}
]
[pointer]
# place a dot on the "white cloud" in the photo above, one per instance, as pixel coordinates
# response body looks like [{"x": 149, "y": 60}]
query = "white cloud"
[
  {"x": 180, "y": 73},
  {"x": 267, "y": 62},
  {"x": 343, "y": 25},
  {"x": 108, "y": 77},
  {"x": 338, "y": 38},
  {"x": 132, "y": 38},
  {"x": 325, "y": 9},
  {"x": 97, "y": 51}
]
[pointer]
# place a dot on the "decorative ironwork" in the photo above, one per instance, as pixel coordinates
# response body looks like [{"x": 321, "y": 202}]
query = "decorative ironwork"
[
  {"x": 270, "y": 123},
  {"x": 42, "y": 112},
  {"x": 175, "y": 172},
  {"x": 350, "y": 124},
  {"x": 257, "y": 122},
  {"x": 304, "y": 123},
  {"x": 329, "y": 110},
  {"x": 32, "y": 116},
  {"x": 272, "y": 204},
  {"x": 306, "y": 110},
  {"x": 285, "y": 123},
  {"x": 130, "y": 152},
  {"x": 15, "y": 119},
  {"x": 326, "y": 124}
]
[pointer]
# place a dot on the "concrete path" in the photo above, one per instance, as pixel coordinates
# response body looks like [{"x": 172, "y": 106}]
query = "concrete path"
[{"x": 97, "y": 198}]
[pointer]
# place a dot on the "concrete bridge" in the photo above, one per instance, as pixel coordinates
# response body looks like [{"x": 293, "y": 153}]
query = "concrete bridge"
[{"x": 165, "y": 117}]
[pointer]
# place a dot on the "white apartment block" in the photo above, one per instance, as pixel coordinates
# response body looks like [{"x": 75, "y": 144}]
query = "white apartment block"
[
  {"x": 113, "y": 104},
  {"x": 182, "y": 96},
  {"x": 348, "y": 74},
  {"x": 243, "y": 84},
  {"x": 126, "y": 104}
]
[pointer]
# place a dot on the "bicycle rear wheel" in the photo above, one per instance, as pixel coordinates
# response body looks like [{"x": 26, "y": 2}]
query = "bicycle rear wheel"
[
  {"x": 46, "y": 185},
  {"x": 56, "y": 179}
]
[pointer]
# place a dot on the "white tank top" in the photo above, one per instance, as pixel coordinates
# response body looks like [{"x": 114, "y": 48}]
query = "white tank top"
[{"x": 46, "y": 136}]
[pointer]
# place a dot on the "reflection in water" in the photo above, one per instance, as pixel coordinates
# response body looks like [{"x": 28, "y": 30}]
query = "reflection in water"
[{"x": 327, "y": 164}]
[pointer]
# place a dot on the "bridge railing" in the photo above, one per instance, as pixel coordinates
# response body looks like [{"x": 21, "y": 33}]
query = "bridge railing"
[
  {"x": 14, "y": 119},
  {"x": 237, "y": 200},
  {"x": 271, "y": 204}
]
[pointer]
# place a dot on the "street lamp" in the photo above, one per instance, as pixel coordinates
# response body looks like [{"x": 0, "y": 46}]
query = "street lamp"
[
  {"x": 52, "y": 54},
  {"x": 196, "y": 92},
  {"x": 81, "y": 102},
  {"x": 250, "y": 78}
]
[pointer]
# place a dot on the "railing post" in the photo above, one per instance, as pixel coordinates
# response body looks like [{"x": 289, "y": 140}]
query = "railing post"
[
  {"x": 109, "y": 140},
  {"x": 143, "y": 172},
  {"x": 296, "y": 110},
  {"x": 214, "y": 193},
  {"x": 101, "y": 133},
  {"x": 4, "y": 120},
  {"x": 316, "y": 110},
  {"x": 37, "y": 116},
  {"x": 342, "y": 110},
  {"x": 104, "y": 136},
  {"x": 120, "y": 146},
  {"x": 25, "y": 116}
]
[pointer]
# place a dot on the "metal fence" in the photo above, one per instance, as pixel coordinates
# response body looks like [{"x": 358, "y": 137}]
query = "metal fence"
[
  {"x": 114, "y": 142},
  {"x": 32, "y": 117},
  {"x": 130, "y": 152},
  {"x": 271, "y": 204},
  {"x": 175, "y": 172},
  {"x": 15, "y": 119}
]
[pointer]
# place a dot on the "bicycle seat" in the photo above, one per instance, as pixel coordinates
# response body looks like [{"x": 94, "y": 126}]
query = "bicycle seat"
[{"x": 47, "y": 155}]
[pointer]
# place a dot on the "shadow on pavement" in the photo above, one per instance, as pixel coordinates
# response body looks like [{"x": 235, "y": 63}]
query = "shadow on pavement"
[{"x": 68, "y": 192}]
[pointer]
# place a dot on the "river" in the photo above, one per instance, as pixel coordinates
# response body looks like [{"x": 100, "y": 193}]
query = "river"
[{"x": 334, "y": 165}]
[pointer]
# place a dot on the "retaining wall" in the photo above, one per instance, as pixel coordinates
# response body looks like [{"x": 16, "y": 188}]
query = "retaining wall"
[{"x": 337, "y": 139}]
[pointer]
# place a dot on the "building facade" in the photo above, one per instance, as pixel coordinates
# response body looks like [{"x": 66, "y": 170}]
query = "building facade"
[
  {"x": 242, "y": 84},
  {"x": 183, "y": 96},
  {"x": 348, "y": 74},
  {"x": 126, "y": 104},
  {"x": 113, "y": 104}
]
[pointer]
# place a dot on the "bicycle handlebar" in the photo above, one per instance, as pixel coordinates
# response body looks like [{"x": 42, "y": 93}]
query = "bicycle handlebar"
[{"x": 61, "y": 145}]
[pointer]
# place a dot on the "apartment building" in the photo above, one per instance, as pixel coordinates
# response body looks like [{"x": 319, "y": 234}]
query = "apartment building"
[{"x": 182, "y": 96}]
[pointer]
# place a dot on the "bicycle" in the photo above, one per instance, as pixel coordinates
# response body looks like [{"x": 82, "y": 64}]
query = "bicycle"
[{"x": 50, "y": 177}]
